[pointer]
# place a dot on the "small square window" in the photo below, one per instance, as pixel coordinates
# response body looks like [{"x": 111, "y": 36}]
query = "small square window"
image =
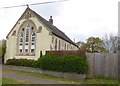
[
  {"x": 32, "y": 28},
  {"x": 32, "y": 50},
  {"x": 21, "y": 39},
  {"x": 33, "y": 43},
  {"x": 33, "y": 39},
  {"x": 26, "y": 39},
  {"x": 26, "y": 43},
  {"x": 20, "y": 44},
  {"x": 26, "y": 35},
  {"x": 26, "y": 50},
  {"x": 52, "y": 39},
  {"x": 20, "y": 50}
]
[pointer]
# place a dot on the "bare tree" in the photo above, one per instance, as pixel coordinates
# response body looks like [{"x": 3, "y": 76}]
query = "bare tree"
[{"x": 111, "y": 43}]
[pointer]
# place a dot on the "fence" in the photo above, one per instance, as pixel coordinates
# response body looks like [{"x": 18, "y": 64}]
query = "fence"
[
  {"x": 103, "y": 64},
  {"x": 100, "y": 64}
]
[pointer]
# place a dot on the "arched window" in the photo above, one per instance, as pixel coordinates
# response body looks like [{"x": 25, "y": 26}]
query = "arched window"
[
  {"x": 59, "y": 45},
  {"x": 33, "y": 42},
  {"x": 52, "y": 39},
  {"x": 65, "y": 46},
  {"x": 62, "y": 44},
  {"x": 20, "y": 42},
  {"x": 56, "y": 44},
  {"x": 33, "y": 36},
  {"x": 26, "y": 38}
]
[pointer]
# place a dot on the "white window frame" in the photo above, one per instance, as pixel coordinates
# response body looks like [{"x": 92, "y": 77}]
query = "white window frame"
[
  {"x": 25, "y": 41},
  {"x": 33, "y": 36},
  {"x": 20, "y": 42}
]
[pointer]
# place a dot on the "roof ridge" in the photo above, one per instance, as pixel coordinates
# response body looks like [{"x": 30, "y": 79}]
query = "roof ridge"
[{"x": 54, "y": 29}]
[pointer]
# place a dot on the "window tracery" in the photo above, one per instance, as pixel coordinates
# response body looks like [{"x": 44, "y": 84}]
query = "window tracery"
[{"x": 26, "y": 38}]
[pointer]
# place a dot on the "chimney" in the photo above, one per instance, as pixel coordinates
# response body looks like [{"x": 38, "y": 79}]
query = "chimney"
[
  {"x": 51, "y": 20},
  {"x": 74, "y": 40}
]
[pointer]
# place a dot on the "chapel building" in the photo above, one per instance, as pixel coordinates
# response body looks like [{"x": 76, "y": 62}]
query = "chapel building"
[{"x": 33, "y": 34}]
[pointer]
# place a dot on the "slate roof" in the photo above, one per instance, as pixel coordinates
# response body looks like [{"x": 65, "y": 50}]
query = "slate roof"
[{"x": 53, "y": 28}]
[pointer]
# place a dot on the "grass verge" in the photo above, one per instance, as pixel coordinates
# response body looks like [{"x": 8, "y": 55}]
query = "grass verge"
[
  {"x": 66, "y": 80},
  {"x": 6, "y": 80}
]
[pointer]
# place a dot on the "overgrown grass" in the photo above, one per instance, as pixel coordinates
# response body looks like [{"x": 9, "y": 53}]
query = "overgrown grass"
[
  {"x": 94, "y": 80},
  {"x": 6, "y": 80}
]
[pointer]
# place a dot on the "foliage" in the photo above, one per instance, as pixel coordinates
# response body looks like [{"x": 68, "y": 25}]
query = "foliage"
[
  {"x": 54, "y": 62},
  {"x": 20, "y": 62},
  {"x": 93, "y": 44},
  {"x": 82, "y": 46},
  {"x": 63, "y": 63},
  {"x": 3, "y": 48},
  {"x": 79, "y": 43},
  {"x": 112, "y": 43}
]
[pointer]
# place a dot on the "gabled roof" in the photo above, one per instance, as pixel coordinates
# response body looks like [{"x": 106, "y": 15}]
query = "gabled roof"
[{"x": 53, "y": 28}]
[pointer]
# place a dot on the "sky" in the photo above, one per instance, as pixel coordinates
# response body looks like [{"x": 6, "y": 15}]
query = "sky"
[{"x": 78, "y": 19}]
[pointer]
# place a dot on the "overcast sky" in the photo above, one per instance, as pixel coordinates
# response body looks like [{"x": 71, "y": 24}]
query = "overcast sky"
[{"x": 78, "y": 19}]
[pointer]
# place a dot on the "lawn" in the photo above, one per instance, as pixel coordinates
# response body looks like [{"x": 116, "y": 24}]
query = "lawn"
[
  {"x": 6, "y": 80},
  {"x": 95, "y": 80}
]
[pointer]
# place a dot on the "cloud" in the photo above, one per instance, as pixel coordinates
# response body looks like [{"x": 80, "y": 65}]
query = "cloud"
[
  {"x": 79, "y": 19},
  {"x": 47, "y": 10},
  {"x": 8, "y": 17},
  {"x": 93, "y": 18}
]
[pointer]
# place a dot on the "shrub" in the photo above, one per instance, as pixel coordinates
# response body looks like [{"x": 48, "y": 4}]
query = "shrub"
[
  {"x": 63, "y": 63},
  {"x": 54, "y": 62},
  {"x": 20, "y": 62}
]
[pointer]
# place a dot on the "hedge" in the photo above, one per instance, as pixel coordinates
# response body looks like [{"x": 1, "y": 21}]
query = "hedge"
[
  {"x": 53, "y": 62},
  {"x": 63, "y": 63},
  {"x": 20, "y": 62}
]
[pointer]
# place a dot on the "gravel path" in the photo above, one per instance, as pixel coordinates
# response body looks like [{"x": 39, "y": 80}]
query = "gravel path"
[{"x": 31, "y": 79}]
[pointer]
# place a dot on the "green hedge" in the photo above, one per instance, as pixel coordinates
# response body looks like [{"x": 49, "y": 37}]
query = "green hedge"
[
  {"x": 63, "y": 63},
  {"x": 20, "y": 62}
]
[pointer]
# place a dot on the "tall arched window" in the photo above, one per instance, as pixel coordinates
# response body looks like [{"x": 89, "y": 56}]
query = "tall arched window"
[
  {"x": 21, "y": 42},
  {"x": 26, "y": 38},
  {"x": 59, "y": 45},
  {"x": 32, "y": 42},
  {"x": 65, "y": 46},
  {"x": 56, "y": 44}
]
